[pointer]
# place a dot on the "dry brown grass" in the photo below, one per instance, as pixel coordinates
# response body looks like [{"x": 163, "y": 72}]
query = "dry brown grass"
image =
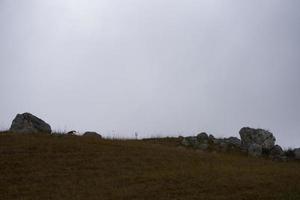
[{"x": 70, "y": 167}]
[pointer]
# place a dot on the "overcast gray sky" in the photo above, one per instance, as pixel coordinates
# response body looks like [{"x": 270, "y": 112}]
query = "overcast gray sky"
[{"x": 159, "y": 67}]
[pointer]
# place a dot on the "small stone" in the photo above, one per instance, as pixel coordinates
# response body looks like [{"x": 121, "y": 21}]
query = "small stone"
[
  {"x": 92, "y": 134},
  {"x": 72, "y": 132}
]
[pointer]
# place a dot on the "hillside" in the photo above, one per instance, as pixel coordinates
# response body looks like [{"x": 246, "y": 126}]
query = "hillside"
[{"x": 72, "y": 167}]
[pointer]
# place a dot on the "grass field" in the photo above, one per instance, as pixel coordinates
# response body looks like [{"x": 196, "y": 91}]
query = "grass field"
[{"x": 72, "y": 167}]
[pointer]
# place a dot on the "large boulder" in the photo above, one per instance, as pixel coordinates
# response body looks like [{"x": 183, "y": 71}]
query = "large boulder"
[
  {"x": 250, "y": 136},
  {"x": 92, "y": 134},
  {"x": 28, "y": 123}
]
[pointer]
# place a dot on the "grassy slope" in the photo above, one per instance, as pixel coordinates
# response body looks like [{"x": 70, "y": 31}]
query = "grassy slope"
[{"x": 70, "y": 167}]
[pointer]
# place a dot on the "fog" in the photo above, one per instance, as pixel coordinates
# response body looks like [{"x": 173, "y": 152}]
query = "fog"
[{"x": 159, "y": 68}]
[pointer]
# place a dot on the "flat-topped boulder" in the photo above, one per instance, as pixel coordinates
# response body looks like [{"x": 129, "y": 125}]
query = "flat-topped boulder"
[{"x": 28, "y": 123}]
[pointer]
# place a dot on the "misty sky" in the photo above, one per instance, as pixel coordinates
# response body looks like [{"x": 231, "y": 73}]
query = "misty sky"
[{"x": 159, "y": 67}]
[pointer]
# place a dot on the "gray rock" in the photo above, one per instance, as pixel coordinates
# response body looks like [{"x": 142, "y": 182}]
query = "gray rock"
[
  {"x": 276, "y": 151},
  {"x": 190, "y": 141},
  {"x": 194, "y": 142},
  {"x": 297, "y": 153},
  {"x": 277, "y": 154},
  {"x": 92, "y": 134},
  {"x": 255, "y": 150},
  {"x": 250, "y": 136},
  {"x": 202, "y": 137},
  {"x": 224, "y": 144},
  {"x": 28, "y": 123},
  {"x": 211, "y": 138},
  {"x": 233, "y": 141},
  {"x": 216, "y": 141}
]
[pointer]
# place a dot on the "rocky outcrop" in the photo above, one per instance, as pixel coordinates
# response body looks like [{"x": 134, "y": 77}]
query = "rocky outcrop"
[
  {"x": 204, "y": 142},
  {"x": 254, "y": 142},
  {"x": 28, "y": 123}
]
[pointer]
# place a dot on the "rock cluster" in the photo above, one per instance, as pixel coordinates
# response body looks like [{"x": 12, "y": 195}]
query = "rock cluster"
[
  {"x": 254, "y": 142},
  {"x": 204, "y": 142},
  {"x": 28, "y": 123},
  {"x": 258, "y": 142}
]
